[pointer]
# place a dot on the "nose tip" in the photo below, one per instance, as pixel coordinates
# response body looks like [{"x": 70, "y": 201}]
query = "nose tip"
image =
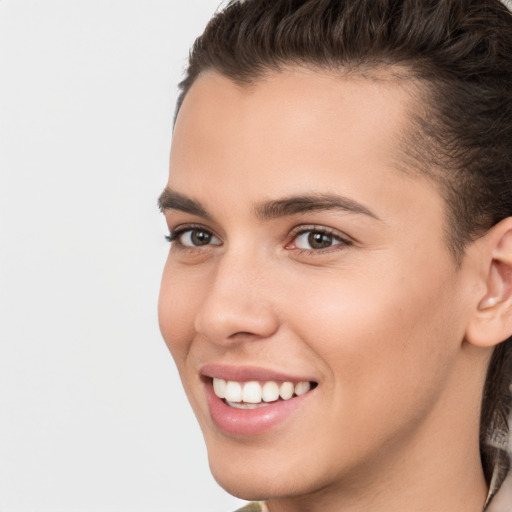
[
  {"x": 227, "y": 321},
  {"x": 236, "y": 308}
]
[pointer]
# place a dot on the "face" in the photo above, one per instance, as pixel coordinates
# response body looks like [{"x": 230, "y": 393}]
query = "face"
[{"x": 306, "y": 270}]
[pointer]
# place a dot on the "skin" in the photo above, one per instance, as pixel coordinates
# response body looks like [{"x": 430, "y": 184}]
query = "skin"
[{"x": 394, "y": 332}]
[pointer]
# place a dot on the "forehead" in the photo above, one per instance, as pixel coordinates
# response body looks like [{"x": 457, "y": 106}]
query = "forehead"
[
  {"x": 299, "y": 106},
  {"x": 294, "y": 131}
]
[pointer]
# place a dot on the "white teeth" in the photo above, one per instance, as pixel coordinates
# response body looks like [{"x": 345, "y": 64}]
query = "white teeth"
[
  {"x": 250, "y": 395},
  {"x": 286, "y": 390},
  {"x": 233, "y": 391},
  {"x": 302, "y": 387},
  {"x": 219, "y": 386},
  {"x": 270, "y": 392}
]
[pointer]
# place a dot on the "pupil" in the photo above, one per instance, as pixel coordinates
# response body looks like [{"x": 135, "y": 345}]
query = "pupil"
[
  {"x": 319, "y": 240},
  {"x": 200, "y": 237}
]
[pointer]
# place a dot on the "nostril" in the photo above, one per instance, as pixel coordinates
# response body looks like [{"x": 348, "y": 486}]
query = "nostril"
[{"x": 241, "y": 333}]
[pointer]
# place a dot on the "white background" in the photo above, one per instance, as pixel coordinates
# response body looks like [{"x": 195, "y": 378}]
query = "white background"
[{"x": 92, "y": 415}]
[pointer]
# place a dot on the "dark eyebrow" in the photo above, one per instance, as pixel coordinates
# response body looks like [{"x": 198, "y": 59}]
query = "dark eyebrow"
[
  {"x": 171, "y": 200},
  {"x": 307, "y": 203}
]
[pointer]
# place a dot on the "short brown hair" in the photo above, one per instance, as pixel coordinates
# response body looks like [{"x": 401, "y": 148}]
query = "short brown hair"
[{"x": 460, "y": 52}]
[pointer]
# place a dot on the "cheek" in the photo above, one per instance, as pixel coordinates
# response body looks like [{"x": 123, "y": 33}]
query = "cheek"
[
  {"x": 383, "y": 338},
  {"x": 177, "y": 305}
]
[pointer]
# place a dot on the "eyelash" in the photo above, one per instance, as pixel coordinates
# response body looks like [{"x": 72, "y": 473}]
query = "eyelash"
[{"x": 175, "y": 235}]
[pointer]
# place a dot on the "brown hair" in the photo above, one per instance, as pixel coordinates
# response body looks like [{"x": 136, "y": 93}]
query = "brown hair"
[{"x": 460, "y": 53}]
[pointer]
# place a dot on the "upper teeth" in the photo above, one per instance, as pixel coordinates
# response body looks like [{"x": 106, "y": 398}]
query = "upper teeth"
[{"x": 253, "y": 392}]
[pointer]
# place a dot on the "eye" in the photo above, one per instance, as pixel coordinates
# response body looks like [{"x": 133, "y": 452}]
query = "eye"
[
  {"x": 316, "y": 239},
  {"x": 193, "y": 237}
]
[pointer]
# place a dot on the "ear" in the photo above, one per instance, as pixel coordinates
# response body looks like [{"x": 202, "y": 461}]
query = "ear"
[{"x": 491, "y": 322}]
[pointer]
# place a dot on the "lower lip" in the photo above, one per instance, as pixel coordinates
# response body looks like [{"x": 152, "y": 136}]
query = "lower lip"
[{"x": 249, "y": 422}]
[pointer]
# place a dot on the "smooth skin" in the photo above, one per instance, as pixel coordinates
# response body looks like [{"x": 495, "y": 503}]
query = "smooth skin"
[{"x": 395, "y": 333}]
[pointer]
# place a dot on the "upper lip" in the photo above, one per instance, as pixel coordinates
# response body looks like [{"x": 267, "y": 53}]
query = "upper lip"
[{"x": 248, "y": 373}]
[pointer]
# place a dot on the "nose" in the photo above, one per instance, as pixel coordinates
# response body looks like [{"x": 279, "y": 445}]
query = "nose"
[{"x": 237, "y": 305}]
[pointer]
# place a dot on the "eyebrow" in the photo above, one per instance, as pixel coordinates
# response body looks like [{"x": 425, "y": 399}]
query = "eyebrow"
[
  {"x": 312, "y": 202},
  {"x": 171, "y": 200}
]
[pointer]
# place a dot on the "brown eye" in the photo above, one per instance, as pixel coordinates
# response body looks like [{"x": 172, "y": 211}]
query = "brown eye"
[
  {"x": 314, "y": 239},
  {"x": 200, "y": 237},
  {"x": 195, "y": 237},
  {"x": 317, "y": 240}
]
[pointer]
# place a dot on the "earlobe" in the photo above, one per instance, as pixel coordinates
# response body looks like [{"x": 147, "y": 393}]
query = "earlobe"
[
  {"x": 491, "y": 322},
  {"x": 488, "y": 302}
]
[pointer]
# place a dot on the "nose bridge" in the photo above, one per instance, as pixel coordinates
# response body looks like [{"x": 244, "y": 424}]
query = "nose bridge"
[{"x": 238, "y": 299}]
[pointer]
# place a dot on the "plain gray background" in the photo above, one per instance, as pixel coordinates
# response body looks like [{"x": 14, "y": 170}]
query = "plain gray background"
[{"x": 92, "y": 415}]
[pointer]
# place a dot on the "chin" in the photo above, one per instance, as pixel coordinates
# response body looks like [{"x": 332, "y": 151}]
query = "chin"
[
  {"x": 247, "y": 489},
  {"x": 248, "y": 480},
  {"x": 256, "y": 488},
  {"x": 251, "y": 479}
]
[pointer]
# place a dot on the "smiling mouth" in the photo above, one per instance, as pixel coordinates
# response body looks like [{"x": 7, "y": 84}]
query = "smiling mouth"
[{"x": 255, "y": 394}]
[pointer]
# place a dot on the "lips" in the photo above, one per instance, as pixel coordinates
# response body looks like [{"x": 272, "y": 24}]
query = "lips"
[{"x": 248, "y": 401}]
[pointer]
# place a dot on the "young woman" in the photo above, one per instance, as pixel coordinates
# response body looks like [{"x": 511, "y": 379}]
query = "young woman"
[{"x": 338, "y": 292}]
